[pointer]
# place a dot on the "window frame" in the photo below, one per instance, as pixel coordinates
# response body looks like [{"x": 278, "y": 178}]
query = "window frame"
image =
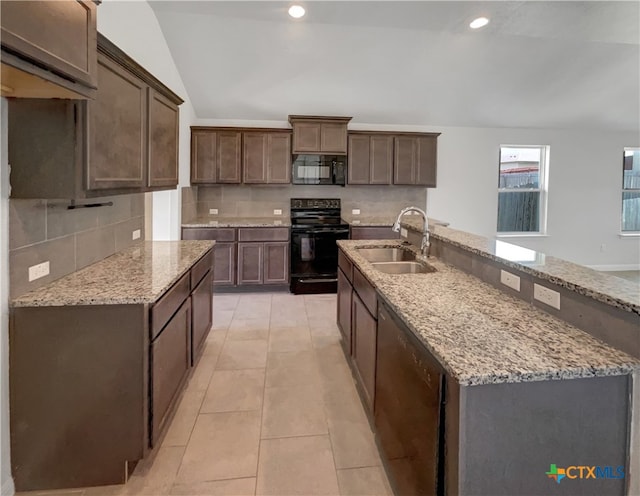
[
  {"x": 627, "y": 190},
  {"x": 542, "y": 190}
]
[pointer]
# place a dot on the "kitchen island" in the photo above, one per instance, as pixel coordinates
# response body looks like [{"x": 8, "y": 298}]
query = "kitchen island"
[
  {"x": 98, "y": 360},
  {"x": 473, "y": 391}
]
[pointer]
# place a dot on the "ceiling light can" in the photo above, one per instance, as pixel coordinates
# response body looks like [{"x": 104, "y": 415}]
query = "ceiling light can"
[
  {"x": 478, "y": 23},
  {"x": 296, "y": 11}
]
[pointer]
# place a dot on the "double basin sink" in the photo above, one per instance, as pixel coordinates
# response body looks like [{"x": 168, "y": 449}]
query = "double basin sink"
[{"x": 394, "y": 261}]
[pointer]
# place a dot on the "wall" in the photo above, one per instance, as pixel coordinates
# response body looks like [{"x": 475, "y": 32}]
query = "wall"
[
  {"x": 252, "y": 201},
  {"x": 132, "y": 25},
  {"x": 45, "y": 230}
]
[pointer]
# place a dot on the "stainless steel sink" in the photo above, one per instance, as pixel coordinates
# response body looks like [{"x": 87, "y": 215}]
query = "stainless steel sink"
[
  {"x": 403, "y": 267},
  {"x": 386, "y": 254}
]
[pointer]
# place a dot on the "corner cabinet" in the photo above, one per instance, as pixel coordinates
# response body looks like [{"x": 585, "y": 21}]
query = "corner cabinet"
[
  {"x": 125, "y": 141},
  {"x": 48, "y": 49},
  {"x": 315, "y": 134},
  {"x": 240, "y": 155}
]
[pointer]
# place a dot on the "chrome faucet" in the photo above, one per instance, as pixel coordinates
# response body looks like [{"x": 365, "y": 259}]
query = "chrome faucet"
[{"x": 424, "y": 247}]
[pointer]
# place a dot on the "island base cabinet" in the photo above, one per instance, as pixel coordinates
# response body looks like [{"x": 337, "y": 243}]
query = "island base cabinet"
[
  {"x": 201, "y": 311},
  {"x": 170, "y": 362},
  {"x": 363, "y": 348},
  {"x": 345, "y": 294},
  {"x": 78, "y": 400}
]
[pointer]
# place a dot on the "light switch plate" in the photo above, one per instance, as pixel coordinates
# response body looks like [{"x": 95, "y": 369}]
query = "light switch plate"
[
  {"x": 355, "y": 211},
  {"x": 277, "y": 211},
  {"x": 135, "y": 234},
  {"x": 38, "y": 271},
  {"x": 509, "y": 279},
  {"x": 213, "y": 211},
  {"x": 546, "y": 296}
]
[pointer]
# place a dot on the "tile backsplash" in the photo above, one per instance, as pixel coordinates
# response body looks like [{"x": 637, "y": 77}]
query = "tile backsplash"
[
  {"x": 45, "y": 230},
  {"x": 260, "y": 201}
]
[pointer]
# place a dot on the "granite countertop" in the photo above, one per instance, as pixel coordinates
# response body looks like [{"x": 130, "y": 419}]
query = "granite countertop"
[
  {"x": 600, "y": 286},
  {"x": 284, "y": 221},
  {"x": 483, "y": 336},
  {"x": 385, "y": 220},
  {"x": 139, "y": 274}
]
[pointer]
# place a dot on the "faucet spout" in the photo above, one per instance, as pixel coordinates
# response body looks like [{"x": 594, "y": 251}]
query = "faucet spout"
[{"x": 424, "y": 247}]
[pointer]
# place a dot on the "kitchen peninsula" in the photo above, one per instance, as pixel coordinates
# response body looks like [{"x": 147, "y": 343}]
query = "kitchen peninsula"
[{"x": 98, "y": 361}]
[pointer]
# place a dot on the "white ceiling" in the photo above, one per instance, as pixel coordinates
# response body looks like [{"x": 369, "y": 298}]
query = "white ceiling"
[{"x": 537, "y": 64}]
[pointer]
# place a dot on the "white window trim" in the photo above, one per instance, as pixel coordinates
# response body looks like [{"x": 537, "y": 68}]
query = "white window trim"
[
  {"x": 543, "y": 190},
  {"x": 627, "y": 234}
]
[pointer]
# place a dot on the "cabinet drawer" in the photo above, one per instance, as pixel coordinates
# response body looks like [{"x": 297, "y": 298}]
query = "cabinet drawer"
[
  {"x": 263, "y": 234},
  {"x": 366, "y": 291},
  {"x": 200, "y": 268},
  {"x": 166, "y": 306},
  {"x": 170, "y": 363},
  {"x": 214, "y": 233},
  {"x": 345, "y": 264}
]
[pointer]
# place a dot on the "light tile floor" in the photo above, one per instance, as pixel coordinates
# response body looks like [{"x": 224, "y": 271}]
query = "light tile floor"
[{"x": 271, "y": 409}]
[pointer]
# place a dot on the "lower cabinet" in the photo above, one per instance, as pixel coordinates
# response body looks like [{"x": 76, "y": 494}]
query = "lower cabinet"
[
  {"x": 224, "y": 265},
  {"x": 250, "y": 263},
  {"x": 201, "y": 314},
  {"x": 170, "y": 362},
  {"x": 345, "y": 295},
  {"x": 363, "y": 348}
]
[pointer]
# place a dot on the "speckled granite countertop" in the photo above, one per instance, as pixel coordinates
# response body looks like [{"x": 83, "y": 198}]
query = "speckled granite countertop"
[
  {"x": 484, "y": 336},
  {"x": 384, "y": 220},
  {"x": 600, "y": 286},
  {"x": 140, "y": 274},
  {"x": 283, "y": 221}
]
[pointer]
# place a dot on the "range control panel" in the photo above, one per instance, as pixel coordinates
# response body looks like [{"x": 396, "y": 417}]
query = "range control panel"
[{"x": 309, "y": 203}]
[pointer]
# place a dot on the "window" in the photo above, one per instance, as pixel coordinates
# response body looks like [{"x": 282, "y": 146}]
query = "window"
[
  {"x": 631, "y": 190},
  {"x": 522, "y": 189}
]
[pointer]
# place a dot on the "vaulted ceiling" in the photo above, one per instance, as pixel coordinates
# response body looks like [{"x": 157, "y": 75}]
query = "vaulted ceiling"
[{"x": 537, "y": 64}]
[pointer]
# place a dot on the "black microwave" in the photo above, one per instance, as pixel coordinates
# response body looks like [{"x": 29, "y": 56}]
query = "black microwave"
[{"x": 320, "y": 169}]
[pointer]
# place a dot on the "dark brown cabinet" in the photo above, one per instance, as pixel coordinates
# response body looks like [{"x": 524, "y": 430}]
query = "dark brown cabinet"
[
  {"x": 345, "y": 295},
  {"x": 250, "y": 263},
  {"x": 313, "y": 134},
  {"x": 124, "y": 141},
  {"x": 415, "y": 160},
  {"x": 227, "y": 163},
  {"x": 215, "y": 156},
  {"x": 201, "y": 314},
  {"x": 266, "y": 157},
  {"x": 46, "y": 42},
  {"x": 276, "y": 263},
  {"x": 363, "y": 348},
  {"x": 224, "y": 265},
  {"x": 370, "y": 158}
]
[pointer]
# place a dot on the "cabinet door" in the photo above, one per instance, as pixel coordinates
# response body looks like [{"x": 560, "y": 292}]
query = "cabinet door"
[
  {"x": 250, "y": 263},
  {"x": 359, "y": 159},
  {"x": 306, "y": 137},
  {"x": 364, "y": 348},
  {"x": 279, "y": 158},
  {"x": 404, "y": 163},
  {"x": 381, "y": 162},
  {"x": 276, "y": 263},
  {"x": 163, "y": 141},
  {"x": 224, "y": 264},
  {"x": 344, "y": 309},
  {"x": 58, "y": 35},
  {"x": 203, "y": 157},
  {"x": 254, "y": 158},
  {"x": 228, "y": 157},
  {"x": 333, "y": 138},
  {"x": 170, "y": 363},
  {"x": 427, "y": 161},
  {"x": 201, "y": 312},
  {"x": 117, "y": 130}
]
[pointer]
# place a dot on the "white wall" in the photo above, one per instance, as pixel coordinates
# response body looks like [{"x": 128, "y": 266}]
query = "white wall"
[
  {"x": 133, "y": 27},
  {"x": 6, "y": 482}
]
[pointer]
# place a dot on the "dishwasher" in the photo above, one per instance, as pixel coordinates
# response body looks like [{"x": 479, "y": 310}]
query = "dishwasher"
[{"x": 409, "y": 410}]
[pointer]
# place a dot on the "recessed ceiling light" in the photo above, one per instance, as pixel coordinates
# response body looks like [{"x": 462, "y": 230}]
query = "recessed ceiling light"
[
  {"x": 296, "y": 11},
  {"x": 478, "y": 23}
]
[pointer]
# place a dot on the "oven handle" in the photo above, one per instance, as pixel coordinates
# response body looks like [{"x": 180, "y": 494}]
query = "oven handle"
[
  {"x": 316, "y": 231},
  {"x": 313, "y": 281}
]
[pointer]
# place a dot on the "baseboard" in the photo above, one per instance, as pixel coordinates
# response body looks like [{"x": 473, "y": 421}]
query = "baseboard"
[
  {"x": 610, "y": 268},
  {"x": 8, "y": 489}
]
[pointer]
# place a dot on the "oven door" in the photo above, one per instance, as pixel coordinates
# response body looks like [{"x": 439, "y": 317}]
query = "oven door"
[{"x": 314, "y": 254}]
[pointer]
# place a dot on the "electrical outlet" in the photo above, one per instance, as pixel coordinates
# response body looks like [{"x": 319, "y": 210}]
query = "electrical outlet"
[
  {"x": 277, "y": 211},
  {"x": 38, "y": 271},
  {"x": 277, "y": 222},
  {"x": 546, "y": 296},
  {"x": 509, "y": 279},
  {"x": 213, "y": 222},
  {"x": 355, "y": 211},
  {"x": 135, "y": 234},
  {"x": 403, "y": 232},
  {"x": 213, "y": 211},
  {"x": 355, "y": 222}
]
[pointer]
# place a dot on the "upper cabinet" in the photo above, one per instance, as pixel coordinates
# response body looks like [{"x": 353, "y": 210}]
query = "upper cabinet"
[
  {"x": 124, "y": 141},
  {"x": 370, "y": 158},
  {"x": 237, "y": 155},
  {"x": 45, "y": 42},
  {"x": 415, "y": 160},
  {"x": 326, "y": 135}
]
